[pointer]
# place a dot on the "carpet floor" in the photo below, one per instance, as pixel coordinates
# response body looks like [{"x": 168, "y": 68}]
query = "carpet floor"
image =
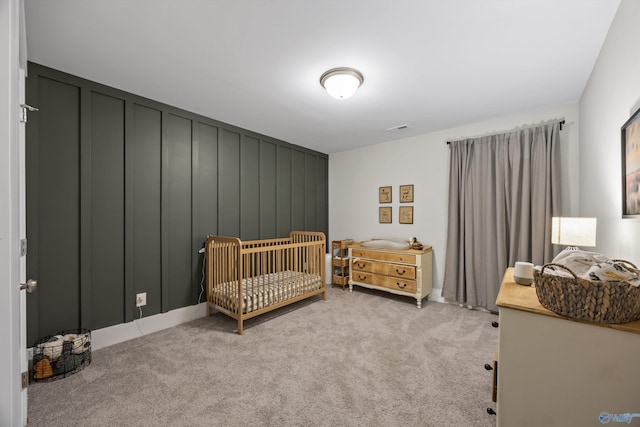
[{"x": 361, "y": 358}]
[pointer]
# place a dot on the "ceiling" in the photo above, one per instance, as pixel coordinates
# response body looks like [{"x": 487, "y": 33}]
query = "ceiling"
[{"x": 256, "y": 64}]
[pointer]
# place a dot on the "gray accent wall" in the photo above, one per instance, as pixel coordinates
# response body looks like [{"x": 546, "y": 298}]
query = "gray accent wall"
[{"x": 122, "y": 192}]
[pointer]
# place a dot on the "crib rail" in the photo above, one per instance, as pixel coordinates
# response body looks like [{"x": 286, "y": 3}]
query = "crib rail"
[
  {"x": 224, "y": 270},
  {"x": 245, "y": 279},
  {"x": 307, "y": 236}
]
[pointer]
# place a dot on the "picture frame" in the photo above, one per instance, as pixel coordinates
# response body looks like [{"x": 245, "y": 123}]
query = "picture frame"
[
  {"x": 384, "y": 214},
  {"x": 384, "y": 194},
  {"x": 630, "y": 150},
  {"x": 406, "y": 214},
  {"x": 406, "y": 193}
]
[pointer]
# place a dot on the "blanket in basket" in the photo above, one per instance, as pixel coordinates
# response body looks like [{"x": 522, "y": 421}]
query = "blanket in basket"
[{"x": 594, "y": 266}]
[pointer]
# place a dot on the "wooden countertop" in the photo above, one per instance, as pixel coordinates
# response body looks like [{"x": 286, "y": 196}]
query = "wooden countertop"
[
  {"x": 524, "y": 298},
  {"x": 425, "y": 249}
]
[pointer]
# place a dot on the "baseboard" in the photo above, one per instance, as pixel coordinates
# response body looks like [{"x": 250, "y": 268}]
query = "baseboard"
[
  {"x": 436, "y": 295},
  {"x": 111, "y": 335},
  {"x": 105, "y": 337}
]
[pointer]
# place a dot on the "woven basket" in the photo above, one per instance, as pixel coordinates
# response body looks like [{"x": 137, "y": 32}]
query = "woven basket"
[{"x": 595, "y": 301}]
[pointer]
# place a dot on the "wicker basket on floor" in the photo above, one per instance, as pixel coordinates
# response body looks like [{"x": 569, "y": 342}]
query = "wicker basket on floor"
[{"x": 595, "y": 301}]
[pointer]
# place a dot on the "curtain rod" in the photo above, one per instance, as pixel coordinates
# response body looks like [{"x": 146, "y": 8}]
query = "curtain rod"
[{"x": 561, "y": 122}]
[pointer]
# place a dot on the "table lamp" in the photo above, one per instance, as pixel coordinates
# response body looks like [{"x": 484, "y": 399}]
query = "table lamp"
[{"x": 573, "y": 232}]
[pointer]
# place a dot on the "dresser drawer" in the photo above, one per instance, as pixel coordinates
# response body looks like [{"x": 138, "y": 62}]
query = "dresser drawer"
[
  {"x": 396, "y": 270},
  {"x": 362, "y": 277},
  {"x": 362, "y": 265},
  {"x": 384, "y": 256},
  {"x": 397, "y": 284}
]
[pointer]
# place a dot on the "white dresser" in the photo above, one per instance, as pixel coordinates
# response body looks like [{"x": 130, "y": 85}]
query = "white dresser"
[
  {"x": 402, "y": 272},
  {"x": 556, "y": 371}
]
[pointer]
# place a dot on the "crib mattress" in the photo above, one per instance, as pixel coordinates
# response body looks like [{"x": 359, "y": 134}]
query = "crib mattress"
[{"x": 265, "y": 290}]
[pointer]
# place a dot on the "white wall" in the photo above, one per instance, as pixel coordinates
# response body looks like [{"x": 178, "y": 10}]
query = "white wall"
[
  {"x": 612, "y": 94},
  {"x": 354, "y": 178}
]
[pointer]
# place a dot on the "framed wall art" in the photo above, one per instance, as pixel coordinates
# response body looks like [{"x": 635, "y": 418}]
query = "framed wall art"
[
  {"x": 406, "y": 214},
  {"x": 631, "y": 167},
  {"x": 384, "y": 194},
  {"x": 406, "y": 193},
  {"x": 385, "y": 215}
]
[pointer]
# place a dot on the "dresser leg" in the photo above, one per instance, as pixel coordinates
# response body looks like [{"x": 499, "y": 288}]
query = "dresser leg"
[
  {"x": 350, "y": 287},
  {"x": 419, "y": 303}
]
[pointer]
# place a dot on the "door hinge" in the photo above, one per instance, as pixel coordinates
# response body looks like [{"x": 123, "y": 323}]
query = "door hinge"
[
  {"x": 25, "y": 379},
  {"x": 23, "y": 111},
  {"x": 23, "y": 247}
]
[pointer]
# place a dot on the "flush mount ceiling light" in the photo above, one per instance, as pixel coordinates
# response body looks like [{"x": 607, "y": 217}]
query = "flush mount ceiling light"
[{"x": 341, "y": 83}]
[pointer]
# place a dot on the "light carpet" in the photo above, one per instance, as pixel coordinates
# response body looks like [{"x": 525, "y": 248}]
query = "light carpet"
[{"x": 361, "y": 358}]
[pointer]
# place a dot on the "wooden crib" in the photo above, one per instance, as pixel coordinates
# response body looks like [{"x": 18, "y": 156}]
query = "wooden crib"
[{"x": 246, "y": 279}]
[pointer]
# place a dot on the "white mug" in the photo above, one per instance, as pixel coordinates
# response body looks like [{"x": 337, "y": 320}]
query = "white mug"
[{"x": 523, "y": 273}]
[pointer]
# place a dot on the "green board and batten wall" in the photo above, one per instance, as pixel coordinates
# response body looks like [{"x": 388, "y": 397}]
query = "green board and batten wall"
[{"x": 122, "y": 192}]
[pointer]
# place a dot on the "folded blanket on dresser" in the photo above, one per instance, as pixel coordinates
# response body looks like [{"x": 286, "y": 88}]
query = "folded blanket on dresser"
[{"x": 594, "y": 266}]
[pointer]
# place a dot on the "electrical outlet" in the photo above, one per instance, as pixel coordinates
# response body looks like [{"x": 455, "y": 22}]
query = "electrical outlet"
[{"x": 141, "y": 299}]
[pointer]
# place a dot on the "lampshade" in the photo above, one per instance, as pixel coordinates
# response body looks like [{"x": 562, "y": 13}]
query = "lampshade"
[
  {"x": 341, "y": 83},
  {"x": 573, "y": 231}
]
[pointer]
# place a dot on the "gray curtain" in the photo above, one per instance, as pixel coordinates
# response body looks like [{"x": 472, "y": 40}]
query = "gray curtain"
[{"x": 503, "y": 191}]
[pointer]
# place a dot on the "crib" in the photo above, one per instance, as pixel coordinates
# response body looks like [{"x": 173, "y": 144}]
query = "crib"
[{"x": 246, "y": 279}]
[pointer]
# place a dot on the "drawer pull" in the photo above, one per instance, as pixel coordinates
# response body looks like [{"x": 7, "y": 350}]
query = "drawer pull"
[
  {"x": 400, "y": 272},
  {"x": 360, "y": 265},
  {"x": 404, "y": 285},
  {"x": 361, "y": 277}
]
